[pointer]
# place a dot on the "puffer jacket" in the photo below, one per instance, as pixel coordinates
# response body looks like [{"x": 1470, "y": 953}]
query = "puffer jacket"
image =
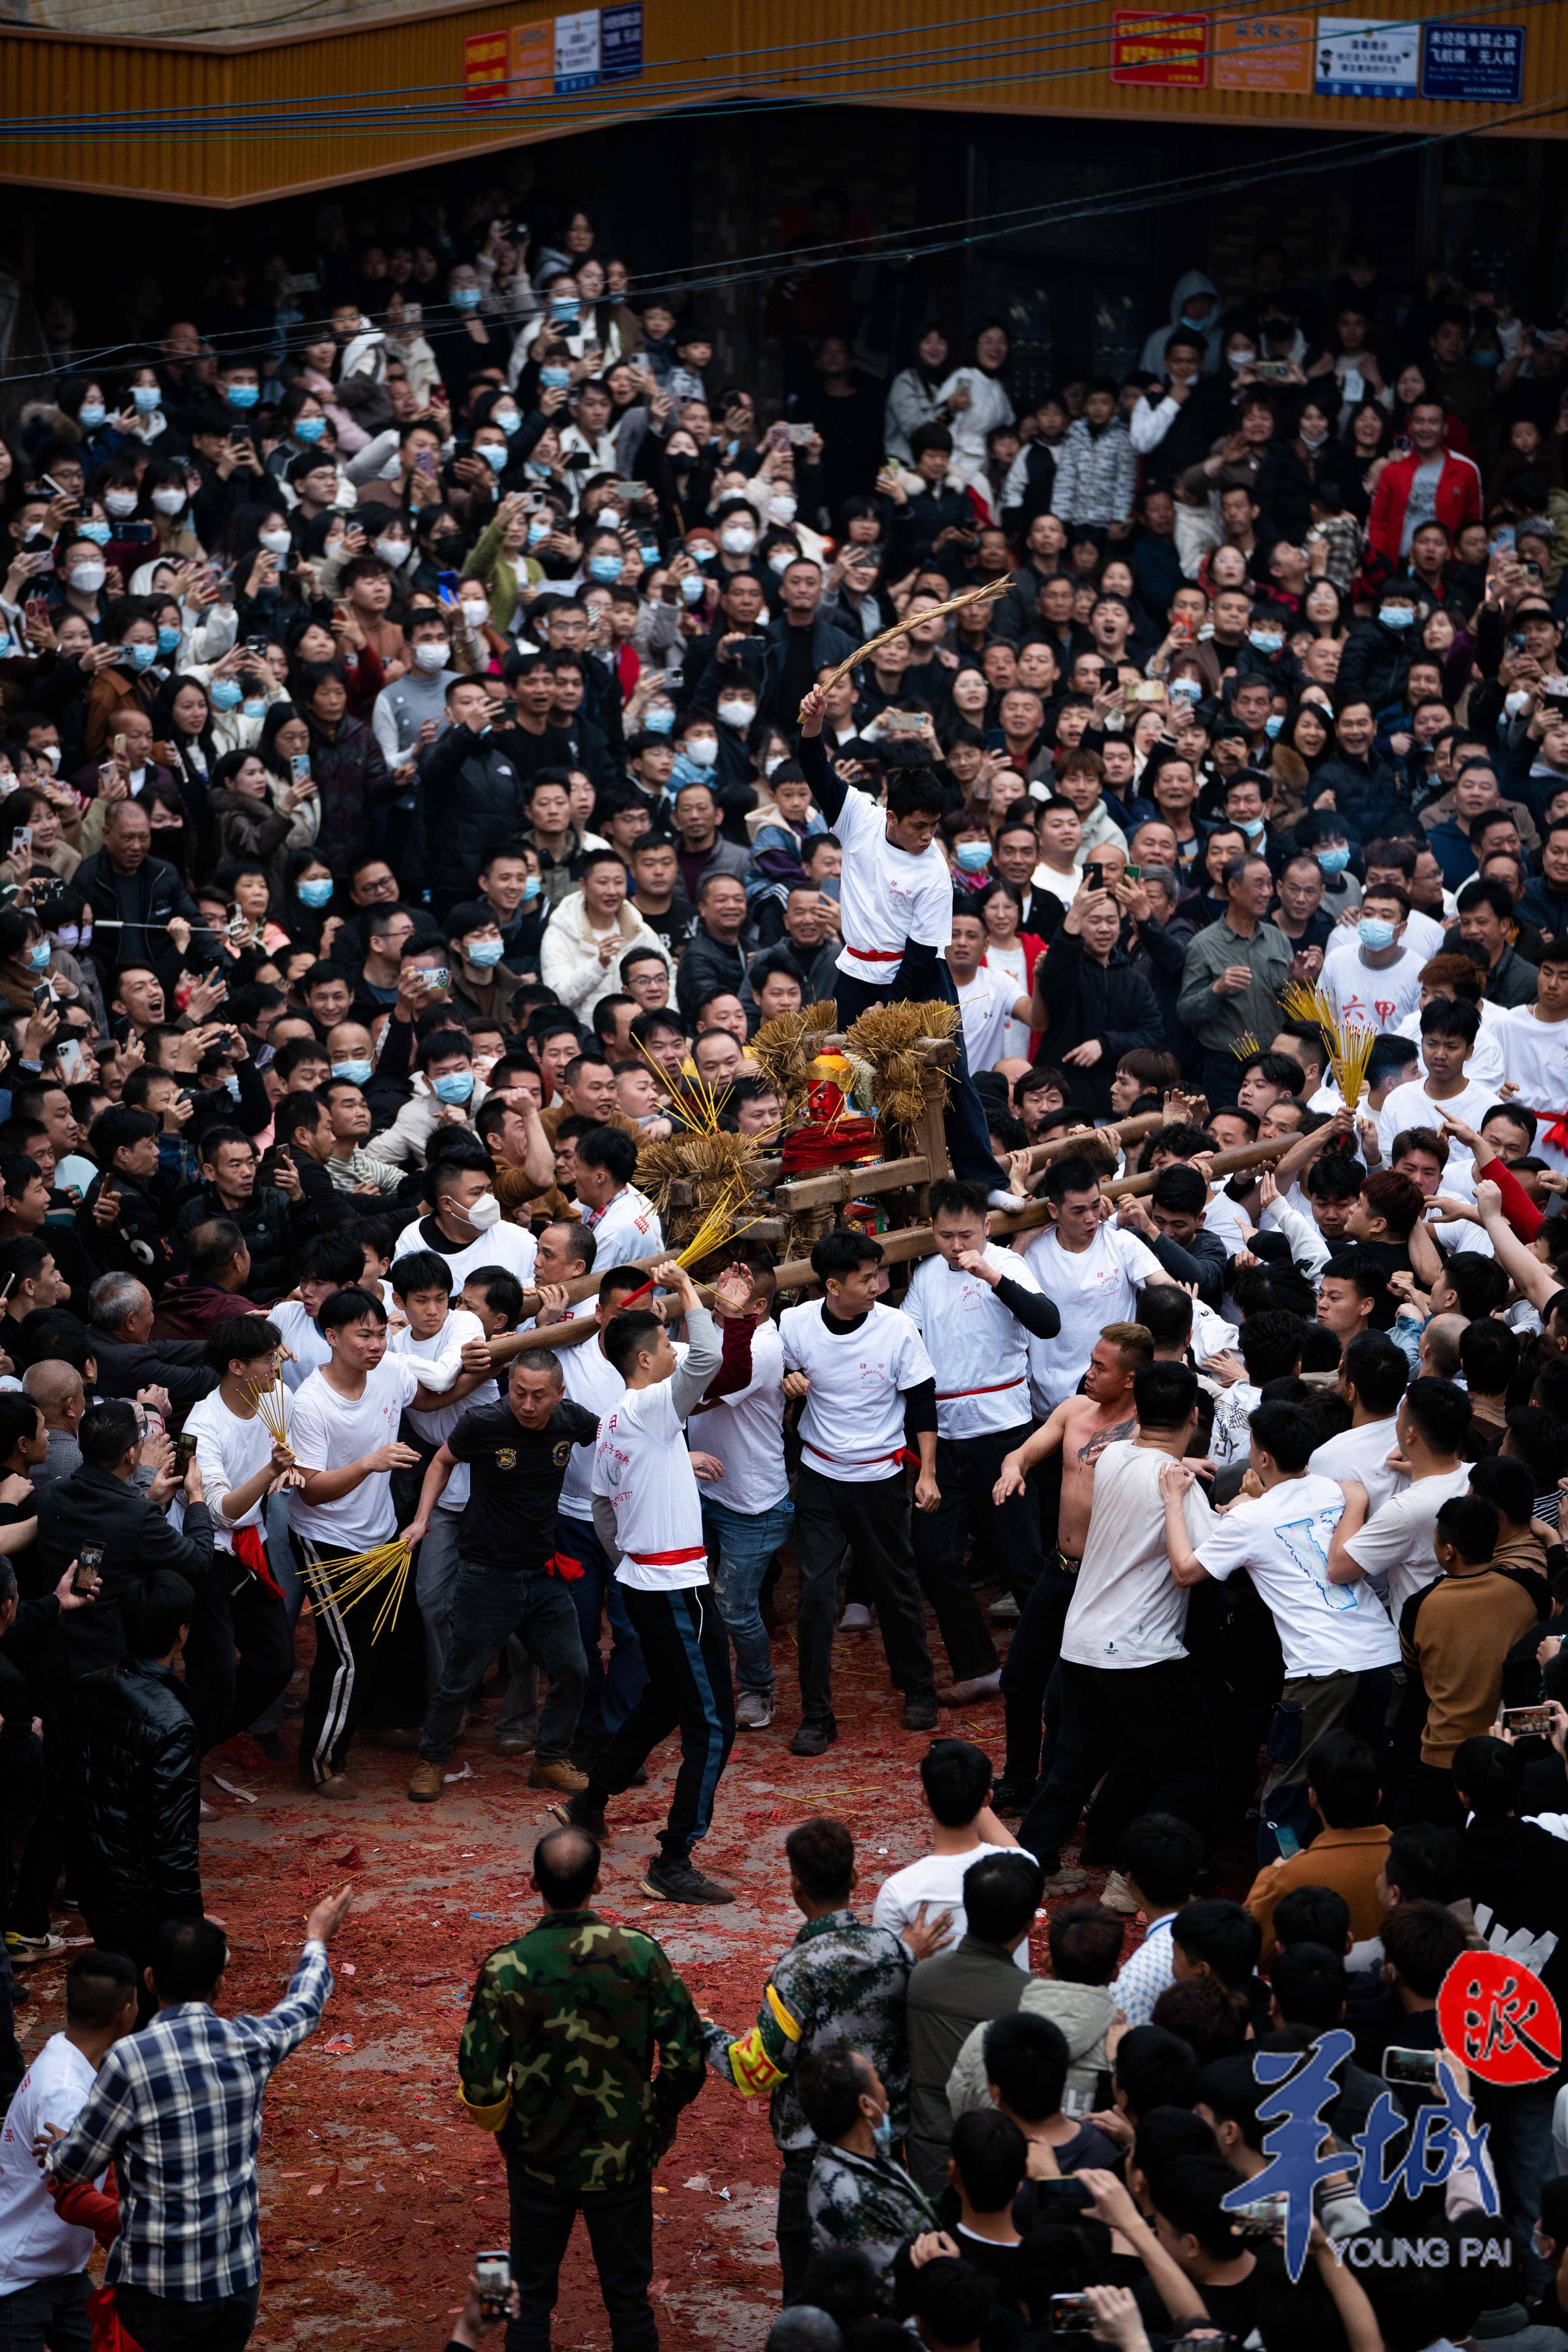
[
  {"x": 138, "y": 1794},
  {"x": 471, "y": 798},
  {"x": 1080, "y": 2012},
  {"x": 1097, "y": 473}
]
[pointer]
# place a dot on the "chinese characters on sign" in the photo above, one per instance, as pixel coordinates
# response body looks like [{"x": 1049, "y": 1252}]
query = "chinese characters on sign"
[
  {"x": 1159, "y": 52},
  {"x": 1366, "y": 56},
  {"x": 1264, "y": 53},
  {"x": 1474, "y": 61},
  {"x": 1500, "y": 2019},
  {"x": 486, "y": 57},
  {"x": 555, "y": 56}
]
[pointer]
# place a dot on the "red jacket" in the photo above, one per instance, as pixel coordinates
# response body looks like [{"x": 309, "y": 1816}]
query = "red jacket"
[{"x": 1458, "y": 501}]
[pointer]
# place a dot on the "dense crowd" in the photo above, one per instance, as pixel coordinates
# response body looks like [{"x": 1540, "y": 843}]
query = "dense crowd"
[{"x": 438, "y": 734}]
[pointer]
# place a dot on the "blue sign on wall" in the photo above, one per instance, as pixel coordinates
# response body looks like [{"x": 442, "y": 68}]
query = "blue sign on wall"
[
  {"x": 1484, "y": 62},
  {"x": 620, "y": 42}
]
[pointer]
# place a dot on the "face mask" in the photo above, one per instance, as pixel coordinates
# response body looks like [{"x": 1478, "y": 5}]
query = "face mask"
[
  {"x": 275, "y": 542},
  {"x": 309, "y": 429},
  {"x": 1314, "y": 440},
  {"x": 539, "y": 531},
  {"x": 974, "y": 856},
  {"x": 649, "y": 554},
  {"x": 168, "y": 640},
  {"x": 97, "y": 531},
  {"x": 530, "y": 891},
  {"x": 781, "y": 506},
  {"x": 170, "y": 501},
  {"x": 484, "y": 953},
  {"x": 1252, "y": 826},
  {"x": 554, "y": 379},
  {"x": 494, "y": 454},
  {"x": 223, "y": 694},
  {"x": 475, "y": 614},
  {"x": 1374, "y": 933},
  {"x": 430, "y": 657},
  {"x": 454, "y": 1087},
  {"x": 1196, "y": 326},
  {"x": 605, "y": 569},
  {"x": 142, "y": 657},
  {"x": 394, "y": 552},
  {"x": 38, "y": 957},
  {"x": 563, "y": 306},
  {"x": 691, "y": 589},
  {"x": 882, "y": 2133},
  {"x": 1512, "y": 703},
  {"x": 120, "y": 503},
  {"x": 144, "y": 399},
  {"x": 704, "y": 748},
  {"x": 465, "y": 298},
  {"x": 735, "y": 538},
  {"x": 231, "y": 1087},
  {"x": 1265, "y": 641},
  {"x": 657, "y": 722},
  {"x": 357, "y": 1073},
  {"x": 1332, "y": 861},
  {"x": 243, "y": 395},
  {"x": 1396, "y": 616},
  {"x": 89, "y": 576},
  {"x": 737, "y": 714},
  {"x": 780, "y": 564},
  {"x": 1240, "y": 359},
  {"x": 1272, "y": 725},
  {"x": 608, "y": 519},
  {"x": 775, "y": 760},
  {"x": 1185, "y": 689},
  {"x": 702, "y": 553},
  {"x": 254, "y": 707},
  {"x": 686, "y": 772},
  {"x": 484, "y": 1212},
  {"x": 319, "y": 889},
  {"x": 507, "y": 418}
]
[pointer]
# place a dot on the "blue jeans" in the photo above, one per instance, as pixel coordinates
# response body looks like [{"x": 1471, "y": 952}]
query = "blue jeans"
[
  {"x": 487, "y": 1605},
  {"x": 612, "y": 1691},
  {"x": 740, "y": 1546}
]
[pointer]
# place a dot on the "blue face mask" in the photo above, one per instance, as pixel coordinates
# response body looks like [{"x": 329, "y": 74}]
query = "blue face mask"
[
  {"x": 357, "y": 1073},
  {"x": 532, "y": 887},
  {"x": 1374, "y": 933},
  {"x": 309, "y": 429},
  {"x": 90, "y": 415},
  {"x": 974, "y": 856},
  {"x": 38, "y": 957},
  {"x": 142, "y": 657},
  {"x": 537, "y": 532},
  {"x": 1332, "y": 861},
  {"x": 1264, "y": 641},
  {"x": 1194, "y": 326},
  {"x": 1252, "y": 826},
  {"x": 223, "y": 694},
  {"x": 168, "y": 640},
  {"x": 144, "y": 399},
  {"x": 254, "y": 707},
  {"x": 686, "y": 771},
  {"x": 1185, "y": 689},
  {"x": 494, "y": 454},
  {"x": 657, "y": 722},
  {"x": 650, "y": 553},
  {"x": 97, "y": 531},
  {"x": 564, "y": 306},
  {"x": 554, "y": 379},
  {"x": 882, "y": 2133},
  {"x": 703, "y": 552},
  {"x": 1396, "y": 616},
  {"x": 456, "y": 1086},
  {"x": 507, "y": 418},
  {"x": 243, "y": 395},
  {"x": 465, "y": 298},
  {"x": 6, "y": 647},
  {"x": 484, "y": 953},
  {"x": 317, "y": 891},
  {"x": 604, "y": 568},
  {"x": 1273, "y": 724}
]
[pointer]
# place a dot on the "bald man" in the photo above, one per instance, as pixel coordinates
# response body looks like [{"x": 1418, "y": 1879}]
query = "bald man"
[{"x": 56, "y": 1389}]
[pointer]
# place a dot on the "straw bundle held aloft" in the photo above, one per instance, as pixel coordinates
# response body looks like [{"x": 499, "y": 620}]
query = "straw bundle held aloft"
[
  {"x": 986, "y": 596},
  {"x": 716, "y": 1228},
  {"x": 350, "y": 1576},
  {"x": 785, "y": 1046},
  {"x": 271, "y": 1406},
  {"x": 1350, "y": 1048},
  {"x": 887, "y": 1036},
  {"x": 713, "y": 1165}
]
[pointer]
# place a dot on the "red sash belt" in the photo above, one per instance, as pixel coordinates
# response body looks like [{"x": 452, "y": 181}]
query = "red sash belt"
[
  {"x": 680, "y": 1559},
  {"x": 947, "y": 1396},
  {"x": 901, "y": 1453},
  {"x": 249, "y": 1549}
]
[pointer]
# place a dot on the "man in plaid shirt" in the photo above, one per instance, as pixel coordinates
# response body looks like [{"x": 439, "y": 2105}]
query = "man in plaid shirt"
[{"x": 176, "y": 2109}]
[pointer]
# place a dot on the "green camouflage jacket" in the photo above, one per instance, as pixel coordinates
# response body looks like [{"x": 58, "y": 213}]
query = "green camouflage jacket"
[
  {"x": 867, "y": 2201},
  {"x": 839, "y": 1981},
  {"x": 557, "y": 2055}
]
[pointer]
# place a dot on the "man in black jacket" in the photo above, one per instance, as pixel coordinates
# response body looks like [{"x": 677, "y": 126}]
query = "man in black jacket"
[
  {"x": 471, "y": 789},
  {"x": 228, "y": 1189},
  {"x": 126, "y": 1359},
  {"x": 134, "y": 897},
  {"x": 124, "y": 1221},
  {"x": 135, "y": 1800}
]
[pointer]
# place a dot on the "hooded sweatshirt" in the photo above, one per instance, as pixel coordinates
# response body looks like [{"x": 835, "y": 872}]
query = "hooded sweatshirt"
[
  {"x": 1194, "y": 282},
  {"x": 1082, "y": 2013}
]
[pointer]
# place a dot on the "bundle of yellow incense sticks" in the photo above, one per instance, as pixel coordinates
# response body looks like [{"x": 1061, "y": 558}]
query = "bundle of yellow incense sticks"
[
  {"x": 349, "y": 1576},
  {"x": 698, "y": 1104},
  {"x": 1245, "y": 1044},
  {"x": 271, "y": 1406},
  {"x": 1350, "y": 1048},
  {"x": 716, "y": 1228}
]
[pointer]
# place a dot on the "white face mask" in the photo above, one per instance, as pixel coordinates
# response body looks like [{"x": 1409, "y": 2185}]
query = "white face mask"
[
  {"x": 52, "y": 754},
  {"x": 170, "y": 501},
  {"x": 607, "y": 519},
  {"x": 430, "y": 656},
  {"x": 275, "y": 542},
  {"x": 703, "y": 749},
  {"x": 120, "y": 503},
  {"x": 484, "y": 1212},
  {"x": 737, "y": 538},
  {"x": 474, "y": 614},
  {"x": 1241, "y": 359},
  {"x": 781, "y": 506},
  {"x": 775, "y": 760},
  {"x": 87, "y": 578},
  {"x": 781, "y": 559},
  {"x": 737, "y": 714},
  {"x": 394, "y": 552},
  {"x": 1513, "y": 703}
]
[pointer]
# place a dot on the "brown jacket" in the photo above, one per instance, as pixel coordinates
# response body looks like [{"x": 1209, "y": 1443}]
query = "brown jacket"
[{"x": 1346, "y": 1860}]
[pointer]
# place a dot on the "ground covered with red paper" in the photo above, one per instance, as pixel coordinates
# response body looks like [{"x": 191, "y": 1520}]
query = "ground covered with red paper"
[{"x": 376, "y": 2194}]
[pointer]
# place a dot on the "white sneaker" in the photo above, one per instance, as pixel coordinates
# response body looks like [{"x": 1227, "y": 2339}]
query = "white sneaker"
[
  {"x": 856, "y": 1619},
  {"x": 753, "y": 1711},
  {"x": 1117, "y": 1896},
  {"x": 1011, "y": 1201}
]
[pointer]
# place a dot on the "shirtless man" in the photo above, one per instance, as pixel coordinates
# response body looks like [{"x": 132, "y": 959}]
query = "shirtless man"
[{"x": 1081, "y": 1426}]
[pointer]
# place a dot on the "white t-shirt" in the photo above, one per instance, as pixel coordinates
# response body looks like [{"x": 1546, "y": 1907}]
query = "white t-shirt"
[
  {"x": 229, "y": 1452},
  {"x": 625, "y": 1229},
  {"x": 1231, "y": 1440},
  {"x": 985, "y": 1004},
  {"x": 745, "y": 1432},
  {"x": 937, "y": 1880},
  {"x": 1412, "y": 1105},
  {"x": 1362, "y": 1455},
  {"x": 327, "y": 1432},
  {"x": 1535, "y": 1057},
  {"x": 290, "y": 1320},
  {"x": 1090, "y": 1287},
  {"x": 1281, "y": 1538},
  {"x": 1484, "y": 1061},
  {"x": 1127, "y": 1609},
  {"x": 591, "y": 1381},
  {"x": 886, "y": 898},
  {"x": 981, "y": 1352},
  {"x": 505, "y": 1245},
  {"x": 1395, "y": 1545},
  {"x": 35, "y": 2243},
  {"x": 852, "y": 1426},
  {"x": 1373, "y": 996},
  {"x": 1014, "y": 966},
  {"x": 642, "y": 1465},
  {"x": 458, "y": 1331}
]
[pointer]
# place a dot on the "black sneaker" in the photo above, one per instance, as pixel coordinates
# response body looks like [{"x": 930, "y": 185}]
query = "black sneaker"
[
  {"x": 920, "y": 1711},
  {"x": 814, "y": 1737},
  {"x": 681, "y": 1882},
  {"x": 1006, "y": 1797},
  {"x": 576, "y": 1813}
]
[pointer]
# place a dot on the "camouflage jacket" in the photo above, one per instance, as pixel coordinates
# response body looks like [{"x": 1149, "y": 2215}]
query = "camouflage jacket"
[
  {"x": 839, "y": 1981},
  {"x": 557, "y": 2055},
  {"x": 867, "y": 2201}
]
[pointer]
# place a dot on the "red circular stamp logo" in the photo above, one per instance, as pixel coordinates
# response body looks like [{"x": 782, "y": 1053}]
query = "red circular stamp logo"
[{"x": 1497, "y": 2016}]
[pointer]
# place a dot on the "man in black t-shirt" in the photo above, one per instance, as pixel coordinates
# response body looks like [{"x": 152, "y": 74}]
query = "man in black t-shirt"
[{"x": 508, "y": 1580}]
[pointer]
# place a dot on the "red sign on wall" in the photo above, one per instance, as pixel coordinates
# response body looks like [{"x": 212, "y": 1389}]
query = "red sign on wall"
[
  {"x": 486, "y": 62},
  {"x": 1159, "y": 52}
]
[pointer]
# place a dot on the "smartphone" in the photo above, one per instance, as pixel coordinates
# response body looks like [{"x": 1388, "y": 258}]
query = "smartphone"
[
  {"x": 1529, "y": 1722},
  {"x": 50, "y": 483},
  {"x": 43, "y": 995},
  {"x": 1272, "y": 370},
  {"x": 446, "y": 585},
  {"x": 1263, "y": 2217},
  {"x": 1414, "y": 2068},
  {"x": 1133, "y": 874},
  {"x": 425, "y": 463},
  {"x": 1071, "y": 2314},
  {"x": 89, "y": 1568},
  {"x": 902, "y": 722},
  {"x": 1502, "y": 537},
  {"x": 68, "y": 1056},
  {"x": 995, "y": 739},
  {"x": 298, "y": 767},
  {"x": 304, "y": 281},
  {"x": 800, "y": 435},
  {"x": 137, "y": 531},
  {"x": 492, "y": 2275},
  {"x": 1148, "y": 689},
  {"x": 1400, "y": 447},
  {"x": 778, "y": 437},
  {"x": 185, "y": 1452},
  {"x": 37, "y": 610},
  {"x": 106, "y": 773},
  {"x": 22, "y": 836}
]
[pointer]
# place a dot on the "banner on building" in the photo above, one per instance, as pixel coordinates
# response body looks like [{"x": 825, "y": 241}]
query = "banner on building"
[{"x": 1159, "y": 52}]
